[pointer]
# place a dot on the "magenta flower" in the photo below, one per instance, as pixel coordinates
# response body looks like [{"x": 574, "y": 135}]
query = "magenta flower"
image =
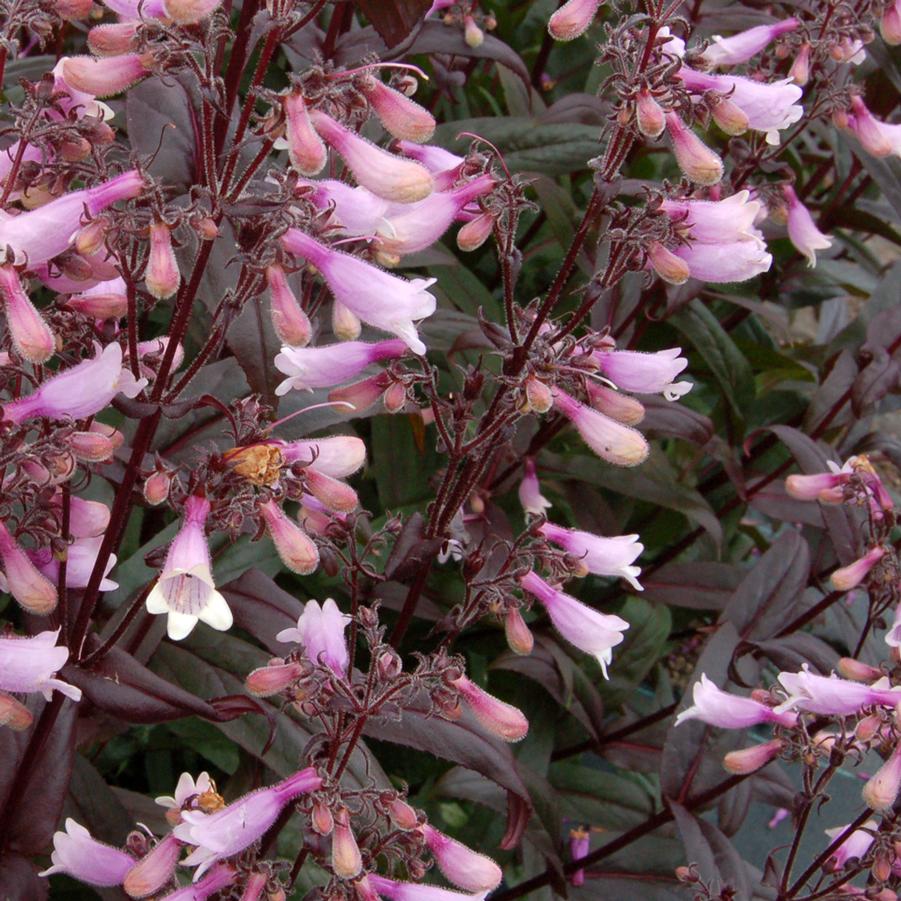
[
  {"x": 320, "y": 631},
  {"x": 579, "y": 845},
  {"x": 497, "y": 716},
  {"x": 572, "y": 19},
  {"x": 825, "y": 487},
  {"x": 741, "y": 47},
  {"x": 81, "y": 556},
  {"x": 218, "y": 878},
  {"x": 229, "y": 831},
  {"x": 530, "y": 495},
  {"x": 854, "y": 846},
  {"x": 78, "y": 392},
  {"x": 610, "y": 440},
  {"x": 31, "y": 664},
  {"x": 380, "y": 299},
  {"x": 878, "y": 138},
  {"x": 185, "y": 590},
  {"x": 383, "y": 173},
  {"x": 769, "y": 106},
  {"x": 294, "y": 547},
  {"x": 31, "y": 589},
  {"x": 590, "y": 631},
  {"x": 802, "y": 231},
  {"x": 41, "y": 234},
  {"x": 716, "y": 221},
  {"x": 371, "y": 886},
  {"x": 355, "y": 210},
  {"x": 645, "y": 373},
  {"x": 832, "y": 696},
  {"x": 598, "y": 555},
  {"x": 323, "y": 367},
  {"x": 339, "y": 456},
  {"x": 716, "y": 707},
  {"x": 850, "y": 576},
  {"x": 699, "y": 163},
  {"x": 31, "y": 336},
  {"x": 465, "y": 868},
  {"x": 78, "y": 855}
]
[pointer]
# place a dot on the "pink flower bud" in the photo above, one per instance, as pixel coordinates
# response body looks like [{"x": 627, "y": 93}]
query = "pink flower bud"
[
  {"x": 306, "y": 149},
  {"x": 345, "y": 323},
  {"x": 113, "y": 39},
  {"x": 572, "y": 19},
  {"x": 857, "y": 671},
  {"x": 218, "y": 878},
  {"x": 13, "y": 714},
  {"x": 498, "y": 717},
  {"x": 272, "y": 679},
  {"x": 321, "y": 819},
  {"x": 802, "y": 230},
  {"x": 610, "y": 440},
  {"x": 162, "y": 277},
  {"x": 346, "y": 859},
  {"x": 538, "y": 395},
  {"x": 362, "y": 395},
  {"x": 402, "y": 814},
  {"x": 333, "y": 493},
  {"x": 34, "y": 591},
  {"x": 294, "y": 547},
  {"x": 749, "y": 760},
  {"x": 519, "y": 636},
  {"x": 290, "y": 322},
  {"x": 741, "y": 47},
  {"x": 402, "y": 117},
  {"x": 472, "y": 34},
  {"x": 31, "y": 336},
  {"x": 465, "y": 868},
  {"x": 255, "y": 886},
  {"x": 614, "y": 404},
  {"x": 106, "y": 76},
  {"x": 882, "y": 789},
  {"x": 890, "y": 23},
  {"x": 90, "y": 447},
  {"x": 395, "y": 398},
  {"x": 189, "y": 12},
  {"x": 800, "y": 70},
  {"x": 103, "y": 301},
  {"x": 848, "y": 577},
  {"x": 672, "y": 269},
  {"x": 89, "y": 238},
  {"x": 156, "y": 487},
  {"x": 699, "y": 163},
  {"x": 825, "y": 487},
  {"x": 649, "y": 115},
  {"x": 74, "y": 9},
  {"x": 154, "y": 871},
  {"x": 475, "y": 232},
  {"x": 383, "y": 173},
  {"x": 730, "y": 117},
  {"x": 869, "y": 130}
]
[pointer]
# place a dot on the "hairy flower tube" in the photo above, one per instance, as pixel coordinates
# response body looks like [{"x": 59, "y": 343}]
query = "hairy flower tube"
[
  {"x": 320, "y": 631},
  {"x": 739, "y": 48},
  {"x": 332, "y": 364},
  {"x": 31, "y": 588},
  {"x": 530, "y": 495},
  {"x": 294, "y": 547},
  {"x": 696, "y": 160},
  {"x": 31, "y": 664},
  {"x": 589, "y": 630},
  {"x": 77, "y": 854},
  {"x": 716, "y": 707},
  {"x": 645, "y": 373},
  {"x": 229, "y": 831},
  {"x": 832, "y": 696},
  {"x": 465, "y": 868},
  {"x": 599, "y": 555},
  {"x": 497, "y": 716},
  {"x": 185, "y": 590},
  {"x": 802, "y": 230},
  {"x": 572, "y": 19},
  {"x": 380, "y": 299},
  {"x": 31, "y": 336}
]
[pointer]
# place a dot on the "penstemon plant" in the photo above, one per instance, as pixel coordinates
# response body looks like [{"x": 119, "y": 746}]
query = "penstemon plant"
[{"x": 428, "y": 566}]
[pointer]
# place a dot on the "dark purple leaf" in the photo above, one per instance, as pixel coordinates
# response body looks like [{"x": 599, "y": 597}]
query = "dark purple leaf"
[
  {"x": 875, "y": 380},
  {"x": 19, "y": 879},
  {"x": 671, "y": 420},
  {"x": 698, "y": 586},
  {"x": 836, "y": 386},
  {"x": 793, "y": 651},
  {"x": 394, "y": 20},
  {"x": 261, "y": 608},
  {"x": 411, "y": 550}
]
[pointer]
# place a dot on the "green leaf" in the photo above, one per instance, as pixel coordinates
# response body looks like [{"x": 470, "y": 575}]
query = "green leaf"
[{"x": 642, "y": 647}]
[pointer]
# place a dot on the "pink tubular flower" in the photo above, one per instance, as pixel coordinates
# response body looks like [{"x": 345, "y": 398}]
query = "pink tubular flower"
[
  {"x": 41, "y": 234},
  {"x": 443, "y": 165},
  {"x": 407, "y": 228},
  {"x": 881, "y": 790},
  {"x": 671, "y": 268},
  {"x": 185, "y": 590},
  {"x": 332, "y": 364},
  {"x": 294, "y": 547},
  {"x": 770, "y": 107},
  {"x": 320, "y": 630},
  {"x": 31, "y": 336},
  {"x": 33, "y": 590},
  {"x": 383, "y": 173},
  {"x": 106, "y": 76},
  {"x": 750, "y": 760},
  {"x": 610, "y": 440},
  {"x": 402, "y": 117},
  {"x": 273, "y": 678},
  {"x": 741, "y": 47},
  {"x": 78, "y": 855},
  {"x": 890, "y": 23},
  {"x": 799, "y": 73},
  {"x": 465, "y": 868},
  {"x": 579, "y": 845},
  {"x": 726, "y": 263},
  {"x": 81, "y": 555},
  {"x": 372, "y": 885},
  {"x": 339, "y": 456},
  {"x": 105, "y": 300},
  {"x": 153, "y": 871},
  {"x": 229, "y": 831},
  {"x": 306, "y": 150},
  {"x": 291, "y": 323},
  {"x": 530, "y": 490},
  {"x": 572, "y": 19},
  {"x": 162, "y": 277},
  {"x": 355, "y": 210},
  {"x": 876, "y": 137},
  {"x": 832, "y": 696},
  {"x": 825, "y": 487},
  {"x": 218, "y": 878},
  {"x": 699, "y": 163},
  {"x": 649, "y": 115},
  {"x": 590, "y": 631},
  {"x": 802, "y": 231},
  {"x": 850, "y": 576},
  {"x": 854, "y": 846},
  {"x": 499, "y": 718},
  {"x": 346, "y": 858},
  {"x": 598, "y": 555},
  {"x": 31, "y": 664},
  {"x": 80, "y": 391},
  {"x": 615, "y": 404},
  {"x": 381, "y": 300},
  {"x": 645, "y": 373},
  {"x": 718, "y": 708}
]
